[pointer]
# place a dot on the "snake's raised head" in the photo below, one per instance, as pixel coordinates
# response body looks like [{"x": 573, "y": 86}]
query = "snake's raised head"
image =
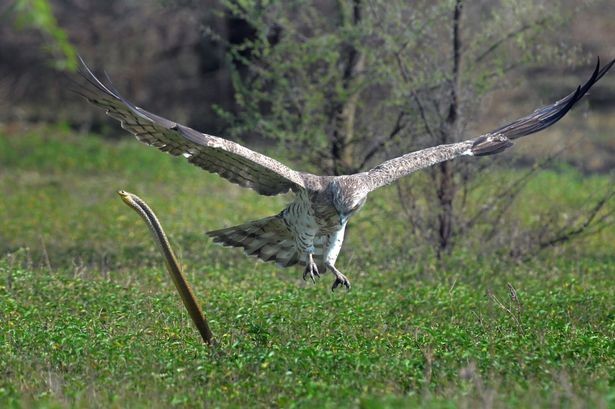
[{"x": 125, "y": 196}]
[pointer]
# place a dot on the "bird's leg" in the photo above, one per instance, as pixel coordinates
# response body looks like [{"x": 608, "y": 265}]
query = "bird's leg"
[
  {"x": 334, "y": 245},
  {"x": 311, "y": 270},
  {"x": 340, "y": 279}
]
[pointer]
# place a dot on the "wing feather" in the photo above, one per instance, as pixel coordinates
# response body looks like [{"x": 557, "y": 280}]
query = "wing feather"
[
  {"x": 228, "y": 159},
  {"x": 487, "y": 144}
]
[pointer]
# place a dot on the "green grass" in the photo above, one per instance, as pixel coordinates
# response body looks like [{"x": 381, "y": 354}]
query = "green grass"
[{"x": 89, "y": 318}]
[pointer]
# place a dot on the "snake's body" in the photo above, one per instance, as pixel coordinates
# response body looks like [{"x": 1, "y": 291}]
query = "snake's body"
[{"x": 185, "y": 292}]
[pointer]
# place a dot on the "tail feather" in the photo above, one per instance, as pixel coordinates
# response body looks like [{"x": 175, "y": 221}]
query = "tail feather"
[{"x": 269, "y": 239}]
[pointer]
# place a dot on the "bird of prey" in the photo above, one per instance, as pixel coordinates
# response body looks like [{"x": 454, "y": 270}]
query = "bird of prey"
[{"x": 310, "y": 230}]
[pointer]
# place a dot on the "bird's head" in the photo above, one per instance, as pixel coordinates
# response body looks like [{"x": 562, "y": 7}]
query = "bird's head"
[{"x": 349, "y": 195}]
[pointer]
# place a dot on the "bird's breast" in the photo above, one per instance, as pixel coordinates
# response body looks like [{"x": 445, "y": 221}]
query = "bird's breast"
[
  {"x": 328, "y": 219},
  {"x": 313, "y": 213}
]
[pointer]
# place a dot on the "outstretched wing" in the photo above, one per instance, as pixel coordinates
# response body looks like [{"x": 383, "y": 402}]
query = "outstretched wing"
[
  {"x": 230, "y": 160},
  {"x": 488, "y": 144}
]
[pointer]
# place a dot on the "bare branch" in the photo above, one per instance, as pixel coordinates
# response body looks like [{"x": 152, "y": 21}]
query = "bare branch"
[
  {"x": 423, "y": 115},
  {"x": 397, "y": 128},
  {"x": 571, "y": 233},
  {"x": 509, "y": 194},
  {"x": 507, "y": 37}
]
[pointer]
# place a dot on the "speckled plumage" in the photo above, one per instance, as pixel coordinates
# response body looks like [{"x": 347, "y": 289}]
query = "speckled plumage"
[{"x": 310, "y": 230}]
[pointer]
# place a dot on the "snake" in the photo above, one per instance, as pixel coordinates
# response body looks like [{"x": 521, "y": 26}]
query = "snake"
[{"x": 183, "y": 287}]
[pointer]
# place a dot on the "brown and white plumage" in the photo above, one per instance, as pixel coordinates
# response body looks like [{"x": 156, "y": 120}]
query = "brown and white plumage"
[
  {"x": 230, "y": 160},
  {"x": 310, "y": 230}
]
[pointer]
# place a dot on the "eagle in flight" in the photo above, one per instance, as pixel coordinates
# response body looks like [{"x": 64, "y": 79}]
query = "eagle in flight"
[{"x": 310, "y": 230}]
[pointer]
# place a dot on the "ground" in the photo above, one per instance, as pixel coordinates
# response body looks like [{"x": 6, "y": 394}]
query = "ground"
[{"x": 89, "y": 317}]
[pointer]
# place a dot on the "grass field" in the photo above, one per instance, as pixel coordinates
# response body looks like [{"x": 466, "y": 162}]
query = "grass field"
[{"x": 89, "y": 317}]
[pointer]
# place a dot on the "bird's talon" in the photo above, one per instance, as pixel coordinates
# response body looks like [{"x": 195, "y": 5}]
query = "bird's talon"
[
  {"x": 341, "y": 280},
  {"x": 312, "y": 271}
]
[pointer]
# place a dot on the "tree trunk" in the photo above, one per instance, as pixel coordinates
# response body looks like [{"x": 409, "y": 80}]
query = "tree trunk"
[
  {"x": 446, "y": 182},
  {"x": 344, "y": 115}
]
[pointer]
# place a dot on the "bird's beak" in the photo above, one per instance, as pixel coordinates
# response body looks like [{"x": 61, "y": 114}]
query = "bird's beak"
[{"x": 343, "y": 219}]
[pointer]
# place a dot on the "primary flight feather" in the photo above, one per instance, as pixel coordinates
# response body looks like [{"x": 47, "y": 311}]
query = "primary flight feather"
[{"x": 310, "y": 230}]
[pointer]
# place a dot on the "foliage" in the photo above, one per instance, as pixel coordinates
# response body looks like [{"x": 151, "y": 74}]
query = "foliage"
[
  {"x": 344, "y": 84},
  {"x": 38, "y": 14},
  {"x": 88, "y": 317}
]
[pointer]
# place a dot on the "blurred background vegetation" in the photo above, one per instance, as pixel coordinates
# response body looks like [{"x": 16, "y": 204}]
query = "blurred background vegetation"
[
  {"x": 174, "y": 56},
  {"x": 339, "y": 86}
]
